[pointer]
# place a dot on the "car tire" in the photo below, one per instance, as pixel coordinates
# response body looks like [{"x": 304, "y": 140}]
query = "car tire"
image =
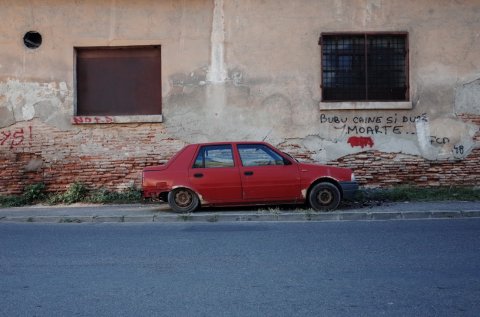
[
  {"x": 183, "y": 200},
  {"x": 324, "y": 197}
]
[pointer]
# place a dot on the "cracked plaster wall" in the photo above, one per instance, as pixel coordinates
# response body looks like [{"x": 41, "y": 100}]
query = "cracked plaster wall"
[
  {"x": 24, "y": 101},
  {"x": 272, "y": 87},
  {"x": 249, "y": 70}
]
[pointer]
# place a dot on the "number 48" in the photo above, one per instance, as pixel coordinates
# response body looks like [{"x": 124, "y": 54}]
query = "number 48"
[{"x": 459, "y": 149}]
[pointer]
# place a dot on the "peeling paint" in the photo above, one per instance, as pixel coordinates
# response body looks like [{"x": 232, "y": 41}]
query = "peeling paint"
[
  {"x": 243, "y": 70},
  {"x": 23, "y": 101},
  {"x": 304, "y": 193},
  {"x": 423, "y": 132},
  {"x": 217, "y": 72},
  {"x": 372, "y": 7},
  {"x": 467, "y": 98}
]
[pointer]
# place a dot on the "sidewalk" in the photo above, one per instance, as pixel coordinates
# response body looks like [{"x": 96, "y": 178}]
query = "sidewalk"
[{"x": 162, "y": 213}]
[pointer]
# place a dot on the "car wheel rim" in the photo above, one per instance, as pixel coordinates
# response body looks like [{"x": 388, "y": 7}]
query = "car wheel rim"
[
  {"x": 183, "y": 198},
  {"x": 325, "y": 197}
]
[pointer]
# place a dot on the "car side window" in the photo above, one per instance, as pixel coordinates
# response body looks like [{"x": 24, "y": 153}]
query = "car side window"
[
  {"x": 258, "y": 155},
  {"x": 214, "y": 156}
]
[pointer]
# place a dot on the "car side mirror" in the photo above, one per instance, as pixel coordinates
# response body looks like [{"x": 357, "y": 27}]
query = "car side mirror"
[{"x": 286, "y": 162}]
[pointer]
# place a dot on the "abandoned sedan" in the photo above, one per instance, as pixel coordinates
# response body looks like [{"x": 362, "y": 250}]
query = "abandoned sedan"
[{"x": 244, "y": 173}]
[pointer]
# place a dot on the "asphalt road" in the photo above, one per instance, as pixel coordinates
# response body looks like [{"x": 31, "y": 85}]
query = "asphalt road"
[{"x": 385, "y": 268}]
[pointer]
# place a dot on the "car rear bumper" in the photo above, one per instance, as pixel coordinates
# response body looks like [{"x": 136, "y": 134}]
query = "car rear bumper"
[{"x": 349, "y": 189}]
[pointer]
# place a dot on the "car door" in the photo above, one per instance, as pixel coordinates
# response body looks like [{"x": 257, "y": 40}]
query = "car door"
[
  {"x": 214, "y": 175},
  {"x": 266, "y": 175}
]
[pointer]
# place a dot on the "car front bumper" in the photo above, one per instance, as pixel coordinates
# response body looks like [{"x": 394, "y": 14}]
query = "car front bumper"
[{"x": 349, "y": 189}]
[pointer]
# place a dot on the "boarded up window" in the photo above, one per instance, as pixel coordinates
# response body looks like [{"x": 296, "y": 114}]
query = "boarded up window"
[{"x": 117, "y": 81}]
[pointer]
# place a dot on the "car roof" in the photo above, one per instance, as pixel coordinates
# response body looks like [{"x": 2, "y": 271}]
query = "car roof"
[{"x": 228, "y": 143}]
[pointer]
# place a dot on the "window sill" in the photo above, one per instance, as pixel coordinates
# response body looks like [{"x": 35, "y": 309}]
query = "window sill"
[
  {"x": 116, "y": 119},
  {"x": 365, "y": 105}
]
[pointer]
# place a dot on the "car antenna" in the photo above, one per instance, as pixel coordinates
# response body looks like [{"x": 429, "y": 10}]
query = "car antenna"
[{"x": 267, "y": 135}]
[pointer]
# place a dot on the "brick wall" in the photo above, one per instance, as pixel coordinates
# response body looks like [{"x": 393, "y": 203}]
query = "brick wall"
[
  {"x": 110, "y": 156},
  {"x": 113, "y": 156},
  {"x": 377, "y": 169}
]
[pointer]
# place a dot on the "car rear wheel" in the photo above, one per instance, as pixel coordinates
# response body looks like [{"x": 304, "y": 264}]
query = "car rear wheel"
[
  {"x": 324, "y": 196},
  {"x": 183, "y": 200}
]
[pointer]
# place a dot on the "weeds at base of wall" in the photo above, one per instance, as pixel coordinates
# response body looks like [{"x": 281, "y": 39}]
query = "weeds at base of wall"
[
  {"x": 76, "y": 192},
  {"x": 12, "y": 201},
  {"x": 31, "y": 194},
  {"x": 412, "y": 193}
]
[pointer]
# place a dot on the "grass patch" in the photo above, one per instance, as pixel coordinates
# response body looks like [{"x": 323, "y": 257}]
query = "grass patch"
[
  {"x": 12, "y": 201},
  {"x": 34, "y": 192},
  {"x": 104, "y": 196},
  {"x": 31, "y": 194},
  {"x": 76, "y": 192},
  {"x": 412, "y": 193}
]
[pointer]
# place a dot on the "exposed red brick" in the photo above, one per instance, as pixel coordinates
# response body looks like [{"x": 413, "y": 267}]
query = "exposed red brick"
[{"x": 97, "y": 157}]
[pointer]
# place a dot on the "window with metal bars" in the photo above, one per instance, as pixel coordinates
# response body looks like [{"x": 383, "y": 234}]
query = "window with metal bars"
[{"x": 364, "y": 67}]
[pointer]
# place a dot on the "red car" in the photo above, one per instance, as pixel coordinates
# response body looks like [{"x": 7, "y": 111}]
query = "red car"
[{"x": 244, "y": 173}]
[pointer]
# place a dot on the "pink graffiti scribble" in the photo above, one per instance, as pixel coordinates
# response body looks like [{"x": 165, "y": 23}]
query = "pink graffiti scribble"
[{"x": 88, "y": 120}]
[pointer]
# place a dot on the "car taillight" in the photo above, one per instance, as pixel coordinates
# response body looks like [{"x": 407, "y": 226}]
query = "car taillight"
[{"x": 353, "y": 178}]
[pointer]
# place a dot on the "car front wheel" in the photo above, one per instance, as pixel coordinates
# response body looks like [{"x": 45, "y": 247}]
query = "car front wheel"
[
  {"x": 183, "y": 200},
  {"x": 324, "y": 196}
]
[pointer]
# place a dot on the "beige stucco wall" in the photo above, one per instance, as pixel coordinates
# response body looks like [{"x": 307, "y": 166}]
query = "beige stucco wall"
[{"x": 245, "y": 69}]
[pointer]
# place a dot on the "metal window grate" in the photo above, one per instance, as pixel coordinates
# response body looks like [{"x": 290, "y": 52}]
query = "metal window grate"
[{"x": 364, "y": 67}]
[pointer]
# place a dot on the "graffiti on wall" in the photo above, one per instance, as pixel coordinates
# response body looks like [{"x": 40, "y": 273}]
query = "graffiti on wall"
[
  {"x": 360, "y": 141},
  {"x": 361, "y": 131},
  {"x": 373, "y": 125},
  {"x": 88, "y": 119},
  {"x": 15, "y": 137}
]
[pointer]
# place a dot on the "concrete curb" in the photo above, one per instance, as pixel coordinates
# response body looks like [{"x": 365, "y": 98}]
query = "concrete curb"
[{"x": 248, "y": 217}]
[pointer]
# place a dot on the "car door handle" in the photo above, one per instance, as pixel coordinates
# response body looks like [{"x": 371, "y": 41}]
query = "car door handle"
[
  {"x": 248, "y": 173},
  {"x": 198, "y": 175}
]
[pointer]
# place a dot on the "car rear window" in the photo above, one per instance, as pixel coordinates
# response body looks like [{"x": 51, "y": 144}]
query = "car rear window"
[{"x": 213, "y": 156}]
